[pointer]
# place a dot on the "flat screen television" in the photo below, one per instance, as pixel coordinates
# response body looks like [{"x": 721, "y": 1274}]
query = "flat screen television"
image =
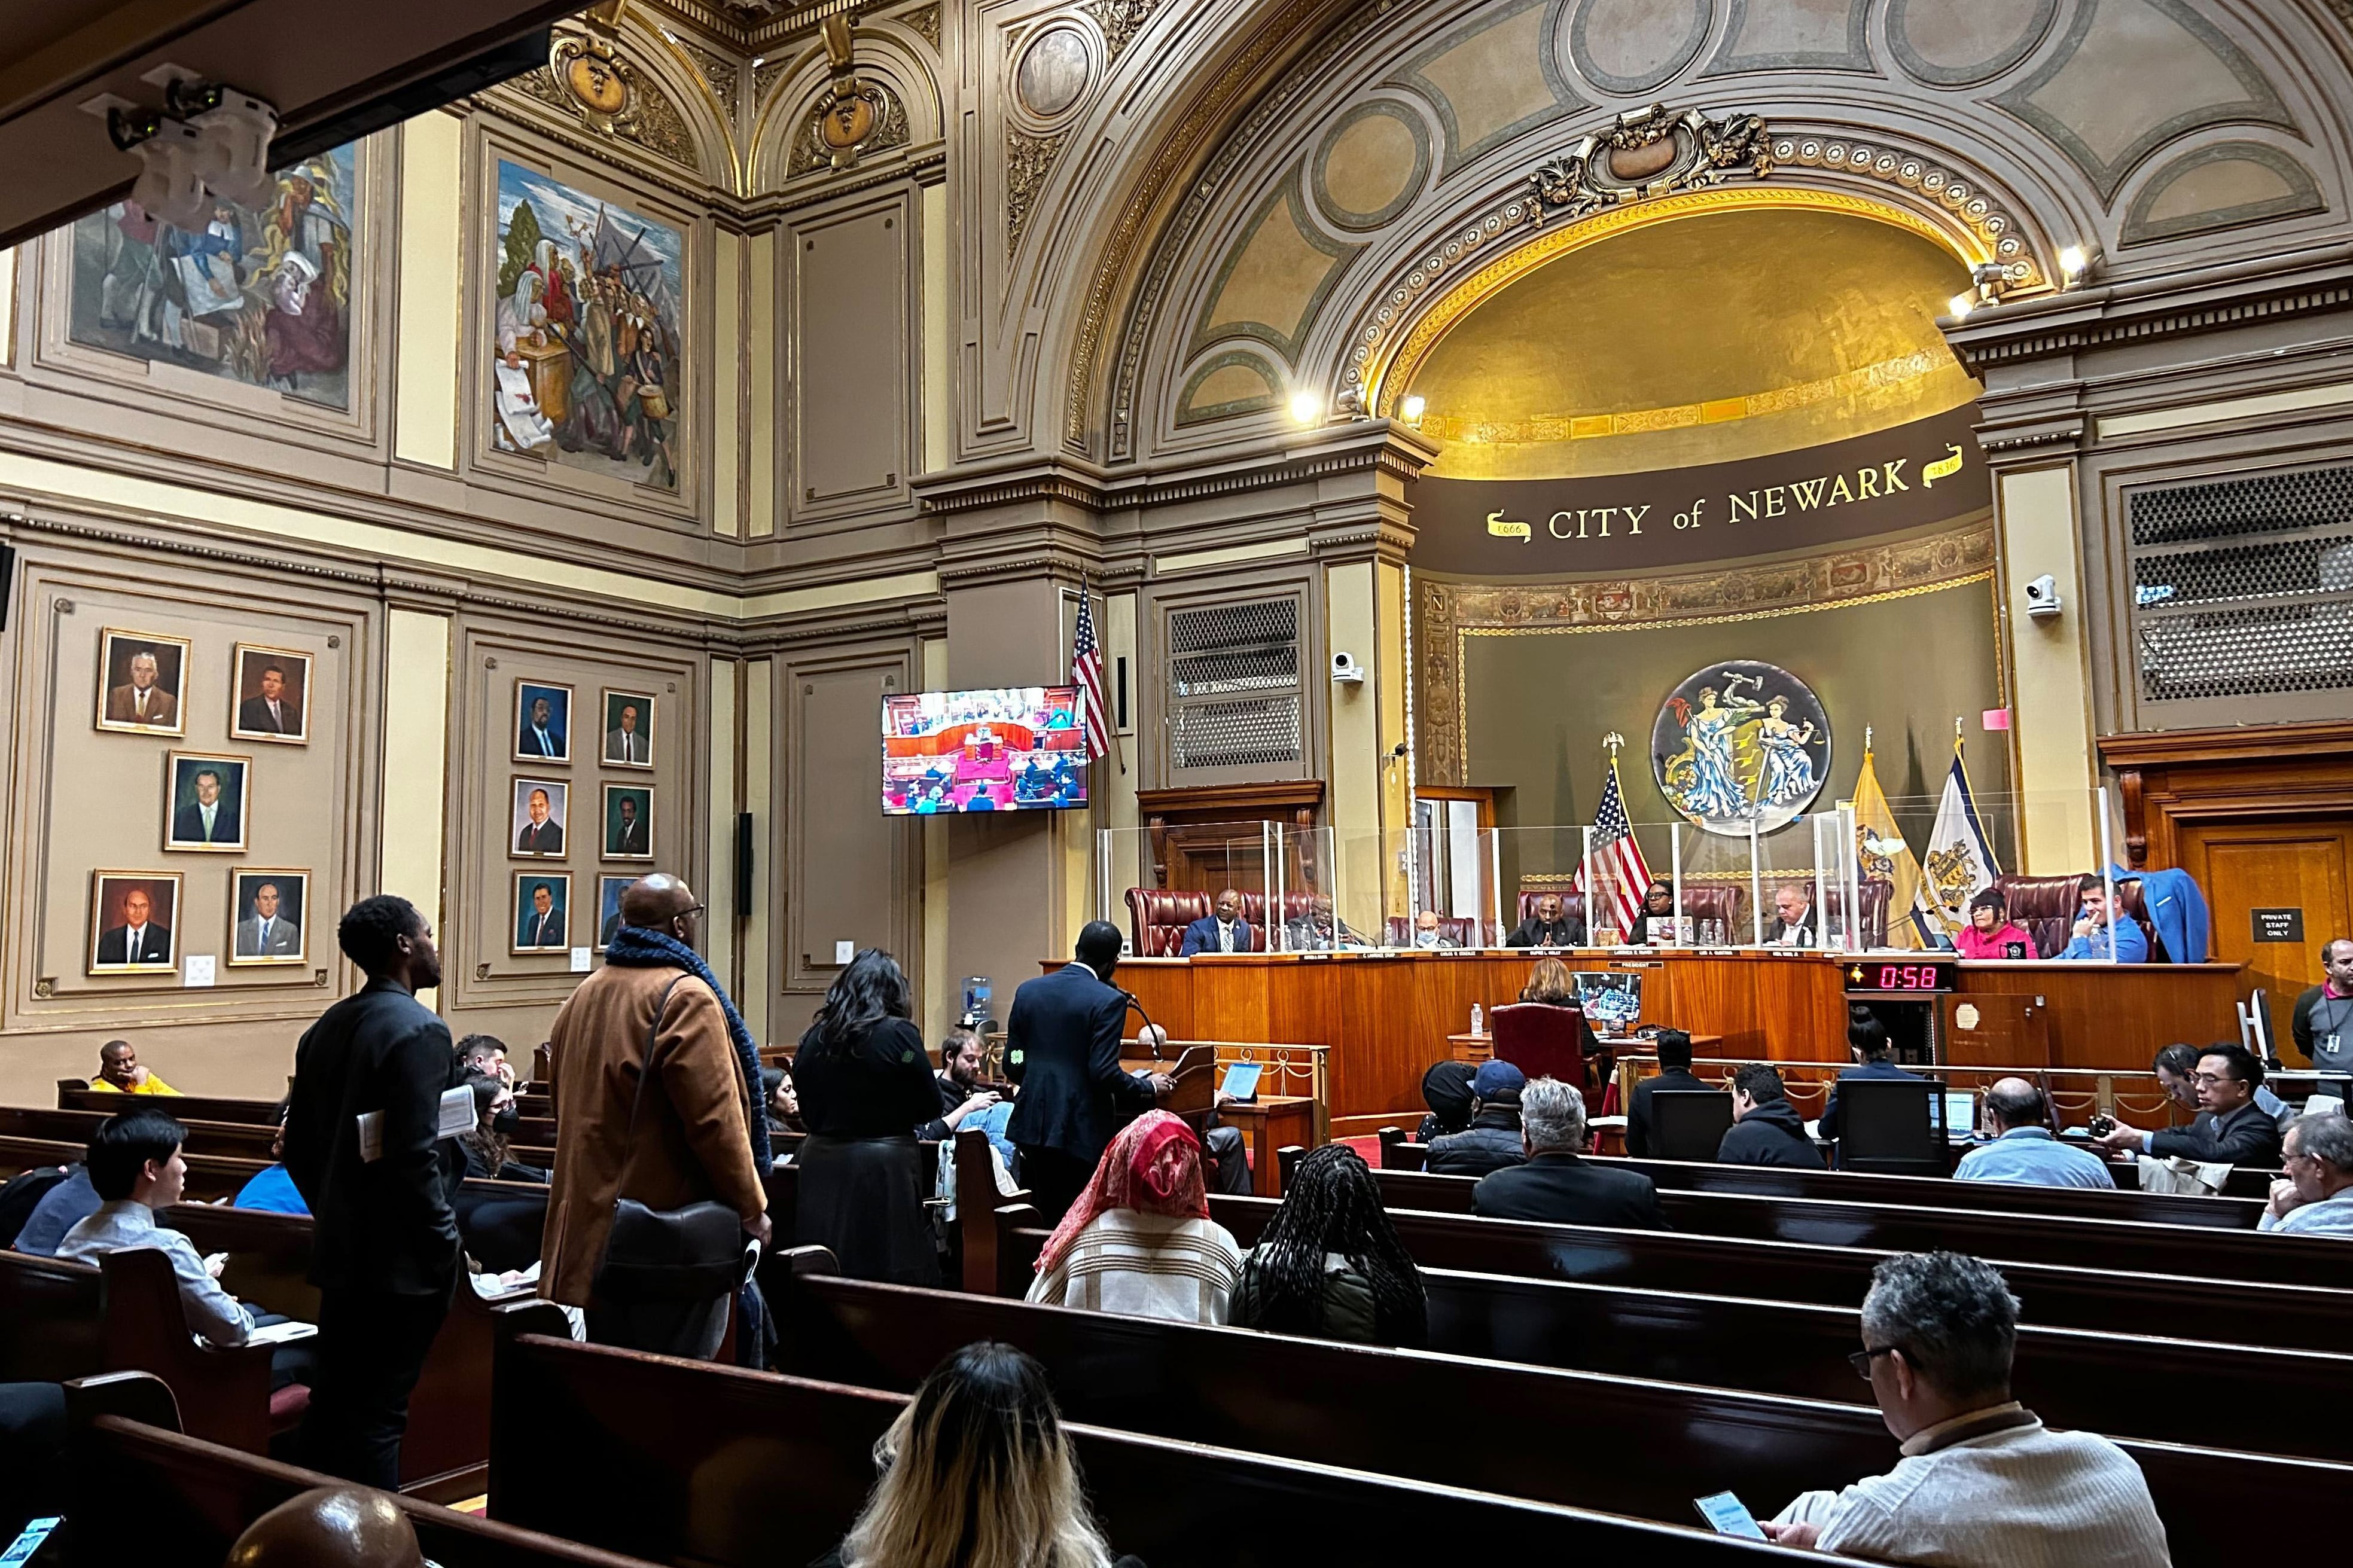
[{"x": 1017, "y": 748}]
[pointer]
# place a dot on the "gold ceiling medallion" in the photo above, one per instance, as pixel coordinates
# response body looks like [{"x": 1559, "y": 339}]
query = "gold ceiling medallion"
[
  {"x": 852, "y": 111},
  {"x": 1648, "y": 152}
]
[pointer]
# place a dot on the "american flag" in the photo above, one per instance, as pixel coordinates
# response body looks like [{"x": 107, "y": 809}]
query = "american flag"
[
  {"x": 1087, "y": 671},
  {"x": 1617, "y": 862}
]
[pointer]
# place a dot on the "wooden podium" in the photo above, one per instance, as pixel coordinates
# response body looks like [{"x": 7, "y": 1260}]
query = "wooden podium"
[{"x": 1194, "y": 1078}]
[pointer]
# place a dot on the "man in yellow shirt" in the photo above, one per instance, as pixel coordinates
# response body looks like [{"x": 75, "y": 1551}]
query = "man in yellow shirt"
[{"x": 119, "y": 1071}]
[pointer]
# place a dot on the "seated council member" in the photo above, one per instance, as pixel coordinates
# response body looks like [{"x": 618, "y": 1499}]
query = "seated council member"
[
  {"x": 1554, "y": 1184},
  {"x": 1224, "y": 931},
  {"x": 1427, "y": 936},
  {"x": 1981, "y": 1481},
  {"x": 119, "y": 1071},
  {"x": 1658, "y": 904},
  {"x": 2024, "y": 1151},
  {"x": 1991, "y": 933},
  {"x": 1766, "y": 1128},
  {"x": 1546, "y": 926},
  {"x": 1793, "y": 918},
  {"x": 2315, "y": 1198},
  {"x": 2102, "y": 932},
  {"x": 2322, "y": 1023},
  {"x": 2230, "y": 1129}
]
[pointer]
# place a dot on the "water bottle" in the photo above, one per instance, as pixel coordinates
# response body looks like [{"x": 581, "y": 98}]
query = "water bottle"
[{"x": 1478, "y": 1019}]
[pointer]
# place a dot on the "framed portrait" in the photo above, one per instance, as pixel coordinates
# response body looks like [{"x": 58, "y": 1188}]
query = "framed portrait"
[
  {"x": 542, "y": 723},
  {"x": 539, "y": 818},
  {"x": 542, "y": 907},
  {"x": 266, "y": 917},
  {"x": 628, "y": 821},
  {"x": 269, "y": 695},
  {"x": 132, "y": 914},
  {"x": 205, "y": 803},
  {"x": 628, "y": 729},
  {"x": 141, "y": 676},
  {"x": 608, "y": 908}
]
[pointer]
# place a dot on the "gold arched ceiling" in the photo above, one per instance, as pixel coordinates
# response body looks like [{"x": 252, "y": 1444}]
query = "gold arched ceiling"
[{"x": 1725, "y": 335}]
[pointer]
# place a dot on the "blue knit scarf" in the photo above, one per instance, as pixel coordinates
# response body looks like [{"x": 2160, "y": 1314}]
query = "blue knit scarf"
[{"x": 637, "y": 947}]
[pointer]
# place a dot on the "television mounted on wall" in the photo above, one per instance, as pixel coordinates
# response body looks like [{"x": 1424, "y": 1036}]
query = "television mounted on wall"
[{"x": 1014, "y": 748}]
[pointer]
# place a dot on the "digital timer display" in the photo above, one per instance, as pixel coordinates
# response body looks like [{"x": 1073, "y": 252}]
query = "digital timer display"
[{"x": 1901, "y": 976}]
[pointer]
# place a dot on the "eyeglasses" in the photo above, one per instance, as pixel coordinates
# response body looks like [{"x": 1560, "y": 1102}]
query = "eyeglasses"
[
  {"x": 1861, "y": 1360},
  {"x": 2208, "y": 1079}
]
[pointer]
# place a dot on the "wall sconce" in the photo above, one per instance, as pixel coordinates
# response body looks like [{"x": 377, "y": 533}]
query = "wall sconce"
[
  {"x": 2076, "y": 264},
  {"x": 1307, "y": 407},
  {"x": 1412, "y": 408}
]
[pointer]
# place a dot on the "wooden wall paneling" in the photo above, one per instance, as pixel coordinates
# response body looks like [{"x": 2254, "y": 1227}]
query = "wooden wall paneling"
[
  {"x": 2097, "y": 1011},
  {"x": 486, "y": 986},
  {"x": 1234, "y": 1000},
  {"x": 1165, "y": 990},
  {"x": 1717, "y": 998},
  {"x": 848, "y": 872},
  {"x": 851, "y": 400},
  {"x": 2303, "y": 864},
  {"x": 1374, "y": 1063},
  {"x": 1800, "y": 1005},
  {"x": 81, "y": 800}
]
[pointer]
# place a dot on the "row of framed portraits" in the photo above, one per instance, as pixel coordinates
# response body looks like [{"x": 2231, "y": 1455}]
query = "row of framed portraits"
[
  {"x": 136, "y": 925},
  {"x": 142, "y": 688},
  {"x": 543, "y": 725},
  {"x": 542, "y": 912},
  {"x": 541, "y": 824}
]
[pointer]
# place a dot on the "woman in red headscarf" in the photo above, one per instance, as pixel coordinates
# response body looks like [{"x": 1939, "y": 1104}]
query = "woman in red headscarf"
[{"x": 1140, "y": 1240}]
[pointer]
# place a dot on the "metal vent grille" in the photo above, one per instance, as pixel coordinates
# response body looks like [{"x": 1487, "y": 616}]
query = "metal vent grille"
[
  {"x": 1233, "y": 685},
  {"x": 2244, "y": 588},
  {"x": 1237, "y": 735}
]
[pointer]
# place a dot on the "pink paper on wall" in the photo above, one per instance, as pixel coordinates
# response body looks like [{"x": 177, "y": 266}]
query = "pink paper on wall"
[{"x": 1995, "y": 718}]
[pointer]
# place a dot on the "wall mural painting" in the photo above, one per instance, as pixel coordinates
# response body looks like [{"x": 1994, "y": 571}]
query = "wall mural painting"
[
  {"x": 587, "y": 332},
  {"x": 1741, "y": 743},
  {"x": 261, "y": 295}
]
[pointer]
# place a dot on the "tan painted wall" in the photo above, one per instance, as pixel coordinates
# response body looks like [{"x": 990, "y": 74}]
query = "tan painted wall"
[{"x": 2051, "y": 671}]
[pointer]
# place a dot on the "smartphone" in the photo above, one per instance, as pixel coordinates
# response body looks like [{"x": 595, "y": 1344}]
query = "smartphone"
[
  {"x": 1727, "y": 1515},
  {"x": 21, "y": 1549}
]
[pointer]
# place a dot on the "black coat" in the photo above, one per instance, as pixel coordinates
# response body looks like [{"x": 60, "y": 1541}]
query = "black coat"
[
  {"x": 1637, "y": 1113},
  {"x": 1533, "y": 933},
  {"x": 1561, "y": 1189},
  {"x": 2248, "y": 1136},
  {"x": 1772, "y": 1134},
  {"x": 1491, "y": 1142},
  {"x": 880, "y": 1084},
  {"x": 384, "y": 1224},
  {"x": 1061, "y": 1043}
]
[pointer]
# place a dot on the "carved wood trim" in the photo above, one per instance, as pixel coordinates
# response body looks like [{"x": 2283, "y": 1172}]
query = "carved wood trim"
[{"x": 2169, "y": 779}]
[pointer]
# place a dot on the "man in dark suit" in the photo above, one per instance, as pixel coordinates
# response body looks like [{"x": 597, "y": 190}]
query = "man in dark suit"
[
  {"x": 1674, "y": 1049},
  {"x": 385, "y": 1245},
  {"x": 1555, "y": 1185},
  {"x": 271, "y": 714},
  {"x": 1223, "y": 932},
  {"x": 208, "y": 818},
  {"x": 1873, "y": 1054},
  {"x": 541, "y": 835},
  {"x": 1546, "y": 926},
  {"x": 541, "y": 925},
  {"x": 542, "y": 735},
  {"x": 629, "y": 834},
  {"x": 1062, "y": 1043},
  {"x": 137, "y": 940},
  {"x": 2230, "y": 1128},
  {"x": 1793, "y": 918}
]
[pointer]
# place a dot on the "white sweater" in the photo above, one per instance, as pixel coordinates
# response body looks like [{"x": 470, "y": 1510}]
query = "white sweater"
[
  {"x": 2022, "y": 1497},
  {"x": 1148, "y": 1264}
]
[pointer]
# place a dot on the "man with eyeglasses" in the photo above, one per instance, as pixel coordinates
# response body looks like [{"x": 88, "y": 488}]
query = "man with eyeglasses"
[
  {"x": 2231, "y": 1129},
  {"x": 2315, "y": 1198},
  {"x": 1981, "y": 1480}
]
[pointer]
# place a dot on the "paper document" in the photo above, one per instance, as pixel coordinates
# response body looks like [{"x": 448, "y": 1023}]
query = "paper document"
[
  {"x": 457, "y": 1115},
  {"x": 280, "y": 1333}
]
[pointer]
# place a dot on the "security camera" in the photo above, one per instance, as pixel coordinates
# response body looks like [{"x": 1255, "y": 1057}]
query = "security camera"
[
  {"x": 1345, "y": 667},
  {"x": 2043, "y": 597}
]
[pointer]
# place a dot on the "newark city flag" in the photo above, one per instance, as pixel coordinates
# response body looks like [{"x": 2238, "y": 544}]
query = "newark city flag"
[
  {"x": 1882, "y": 854},
  {"x": 1959, "y": 862}
]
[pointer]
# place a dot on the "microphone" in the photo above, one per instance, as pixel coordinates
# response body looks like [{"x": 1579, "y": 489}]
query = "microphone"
[{"x": 1137, "y": 1008}]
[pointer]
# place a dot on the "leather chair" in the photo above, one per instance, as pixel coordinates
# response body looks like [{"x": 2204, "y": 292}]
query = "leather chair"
[
  {"x": 1158, "y": 918},
  {"x": 1461, "y": 930},
  {"x": 1724, "y": 902},
  {"x": 1572, "y": 907},
  {"x": 2047, "y": 906},
  {"x": 1874, "y": 895},
  {"x": 1545, "y": 1041}
]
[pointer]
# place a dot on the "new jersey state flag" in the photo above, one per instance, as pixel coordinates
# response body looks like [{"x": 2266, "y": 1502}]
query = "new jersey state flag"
[
  {"x": 1882, "y": 855},
  {"x": 1959, "y": 862}
]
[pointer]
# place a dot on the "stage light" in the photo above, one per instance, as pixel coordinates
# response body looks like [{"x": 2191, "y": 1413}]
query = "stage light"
[
  {"x": 1961, "y": 305},
  {"x": 2076, "y": 264},
  {"x": 1306, "y": 408},
  {"x": 1412, "y": 409}
]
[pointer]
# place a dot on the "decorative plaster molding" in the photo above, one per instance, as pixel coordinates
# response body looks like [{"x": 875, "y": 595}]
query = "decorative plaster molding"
[
  {"x": 1028, "y": 160},
  {"x": 1993, "y": 226}
]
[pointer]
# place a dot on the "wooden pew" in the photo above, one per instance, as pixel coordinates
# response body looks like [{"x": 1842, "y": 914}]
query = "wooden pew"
[
  {"x": 235, "y": 1140},
  {"x": 2287, "y": 1316},
  {"x": 1917, "y": 1192},
  {"x": 1346, "y": 1405},
  {"x": 447, "y": 1446},
  {"x": 142, "y": 1493},
  {"x": 726, "y": 1468},
  {"x": 74, "y": 1094},
  {"x": 2133, "y": 1244},
  {"x": 210, "y": 1176},
  {"x": 56, "y": 1318}
]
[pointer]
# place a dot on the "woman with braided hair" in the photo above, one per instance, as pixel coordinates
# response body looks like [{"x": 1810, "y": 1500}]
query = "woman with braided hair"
[{"x": 1330, "y": 1264}]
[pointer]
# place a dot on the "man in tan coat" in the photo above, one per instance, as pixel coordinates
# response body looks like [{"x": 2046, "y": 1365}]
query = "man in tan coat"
[{"x": 692, "y": 1141}]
